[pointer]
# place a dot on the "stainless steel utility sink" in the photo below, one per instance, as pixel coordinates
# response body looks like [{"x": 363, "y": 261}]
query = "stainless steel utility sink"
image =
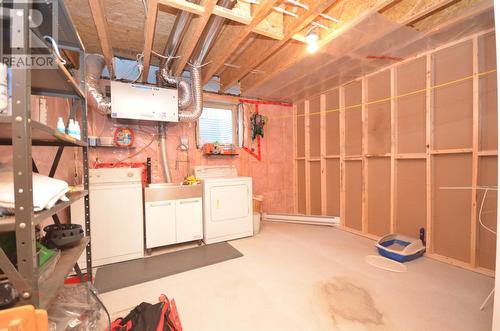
[{"x": 171, "y": 191}]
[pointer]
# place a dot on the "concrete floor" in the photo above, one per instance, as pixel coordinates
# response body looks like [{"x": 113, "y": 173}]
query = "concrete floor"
[{"x": 302, "y": 277}]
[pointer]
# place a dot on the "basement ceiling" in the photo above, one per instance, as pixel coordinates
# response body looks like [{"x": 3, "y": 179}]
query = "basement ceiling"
[{"x": 269, "y": 60}]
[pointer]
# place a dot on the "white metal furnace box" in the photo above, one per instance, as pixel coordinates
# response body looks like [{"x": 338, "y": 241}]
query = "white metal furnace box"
[{"x": 143, "y": 102}]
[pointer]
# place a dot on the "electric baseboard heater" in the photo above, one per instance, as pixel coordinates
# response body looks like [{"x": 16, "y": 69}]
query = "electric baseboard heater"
[
  {"x": 143, "y": 102},
  {"x": 303, "y": 219}
]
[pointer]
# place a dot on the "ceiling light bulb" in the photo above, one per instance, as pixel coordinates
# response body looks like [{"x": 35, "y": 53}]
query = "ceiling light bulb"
[
  {"x": 312, "y": 47},
  {"x": 312, "y": 37}
]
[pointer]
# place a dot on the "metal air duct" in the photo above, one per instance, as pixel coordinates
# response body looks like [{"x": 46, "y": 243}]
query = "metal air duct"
[
  {"x": 192, "y": 102},
  {"x": 94, "y": 63}
]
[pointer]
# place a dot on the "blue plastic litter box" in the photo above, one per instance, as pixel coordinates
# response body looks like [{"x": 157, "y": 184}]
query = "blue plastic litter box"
[{"x": 399, "y": 247}]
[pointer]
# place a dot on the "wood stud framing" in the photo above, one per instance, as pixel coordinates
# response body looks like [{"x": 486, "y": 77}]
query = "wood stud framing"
[
  {"x": 191, "y": 39},
  {"x": 395, "y": 154},
  {"x": 232, "y": 45},
  {"x": 250, "y": 20},
  {"x": 429, "y": 100},
  {"x": 323, "y": 153},
  {"x": 393, "y": 150},
  {"x": 307, "y": 157},
  {"x": 342, "y": 155},
  {"x": 101, "y": 24},
  {"x": 279, "y": 64},
  {"x": 295, "y": 172},
  {"x": 252, "y": 81},
  {"x": 475, "y": 149},
  {"x": 149, "y": 33},
  {"x": 222, "y": 12},
  {"x": 364, "y": 152},
  {"x": 228, "y": 80}
]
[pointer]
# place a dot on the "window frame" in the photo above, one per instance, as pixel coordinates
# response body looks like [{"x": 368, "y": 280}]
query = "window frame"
[{"x": 234, "y": 113}]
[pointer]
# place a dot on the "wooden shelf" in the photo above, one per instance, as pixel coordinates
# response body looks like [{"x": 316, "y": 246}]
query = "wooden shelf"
[
  {"x": 48, "y": 288},
  {"x": 9, "y": 223},
  {"x": 41, "y": 134}
]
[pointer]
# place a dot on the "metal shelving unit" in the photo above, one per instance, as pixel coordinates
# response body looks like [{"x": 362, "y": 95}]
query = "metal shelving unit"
[{"x": 20, "y": 131}]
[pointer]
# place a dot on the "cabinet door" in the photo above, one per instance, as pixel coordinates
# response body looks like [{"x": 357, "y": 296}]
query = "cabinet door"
[
  {"x": 117, "y": 225},
  {"x": 160, "y": 223},
  {"x": 189, "y": 219}
]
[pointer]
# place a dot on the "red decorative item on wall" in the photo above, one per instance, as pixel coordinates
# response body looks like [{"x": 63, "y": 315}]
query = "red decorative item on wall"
[
  {"x": 124, "y": 137},
  {"x": 258, "y": 155}
]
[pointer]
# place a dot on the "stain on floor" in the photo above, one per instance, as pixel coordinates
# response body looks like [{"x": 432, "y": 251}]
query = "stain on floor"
[{"x": 349, "y": 302}]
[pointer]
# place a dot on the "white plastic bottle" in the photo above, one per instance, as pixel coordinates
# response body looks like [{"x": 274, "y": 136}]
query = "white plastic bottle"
[
  {"x": 60, "y": 125},
  {"x": 71, "y": 128}
]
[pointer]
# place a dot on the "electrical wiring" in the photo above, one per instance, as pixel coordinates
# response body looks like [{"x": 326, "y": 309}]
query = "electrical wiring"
[
  {"x": 200, "y": 65},
  {"x": 486, "y": 190},
  {"x": 165, "y": 57},
  {"x": 55, "y": 47},
  {"x": 139, "y": 151},
  {"x": 139, "y": 64}
]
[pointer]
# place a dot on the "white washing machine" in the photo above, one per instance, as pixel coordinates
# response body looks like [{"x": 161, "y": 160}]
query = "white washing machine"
[
  {"x": 227, "y": 203},
  {"x": 116, "y": 215}
]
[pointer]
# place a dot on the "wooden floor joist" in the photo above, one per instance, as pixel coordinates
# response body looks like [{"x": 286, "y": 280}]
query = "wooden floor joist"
[
  {"x": 221, "y": 54},
  {"x": 222, "y": 12},
  {"x": 101, "y": 24},
  {"x": 149, "y": 33},
  {"x": 232, "y": 77},
  {"x": 280, "y": 65},
  {"x": 191, "y": 38}
]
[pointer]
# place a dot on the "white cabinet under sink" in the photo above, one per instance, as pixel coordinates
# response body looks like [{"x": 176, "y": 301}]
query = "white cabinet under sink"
[
  {"x": 175, "y": 220},
  {"x": 189, "y": 219},
  {"x": 160, "y": 223}
]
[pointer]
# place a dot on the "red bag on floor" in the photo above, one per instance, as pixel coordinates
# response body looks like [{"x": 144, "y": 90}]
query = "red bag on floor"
[{"x": 162, "y": 316}]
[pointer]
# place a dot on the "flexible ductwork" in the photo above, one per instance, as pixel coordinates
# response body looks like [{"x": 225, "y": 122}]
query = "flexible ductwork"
[
  {"x": 174, "y": 39},
  {"x": 197, "y": 104},
  {"x": 207, "y": 40},
  {"x": 94, "y": 63},
  {"x": 210, "y": 33},
  {"x": 190, "y": 106},
  {"x": 185, "y": 96}
]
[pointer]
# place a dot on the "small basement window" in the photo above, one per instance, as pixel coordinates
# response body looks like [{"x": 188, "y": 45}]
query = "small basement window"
[{"x": 215, "y": 125}]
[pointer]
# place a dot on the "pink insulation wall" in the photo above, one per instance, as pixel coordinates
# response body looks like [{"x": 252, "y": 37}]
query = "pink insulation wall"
[{"x": 272, "y": 176}]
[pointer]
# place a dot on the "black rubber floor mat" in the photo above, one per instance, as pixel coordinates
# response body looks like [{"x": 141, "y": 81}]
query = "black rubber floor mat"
[{"x": 119, "y": 275}]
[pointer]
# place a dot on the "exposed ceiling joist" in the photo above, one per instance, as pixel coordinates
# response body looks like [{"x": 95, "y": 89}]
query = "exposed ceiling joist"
[
  {"x": 474, "y": 13},
  {"x": 149, "y": 34},
  {"x": 222, "y": 54},
  {"x": 101, "y": 24},
  {"x": 191, "y": 38},
  {"x": 426, "y": 11},
  {"x": 233, "y": 76},
  {"x": 184, "y": 5},
  {"x": 226, "y": 13},
  {"x": 282, "y": 64}
]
